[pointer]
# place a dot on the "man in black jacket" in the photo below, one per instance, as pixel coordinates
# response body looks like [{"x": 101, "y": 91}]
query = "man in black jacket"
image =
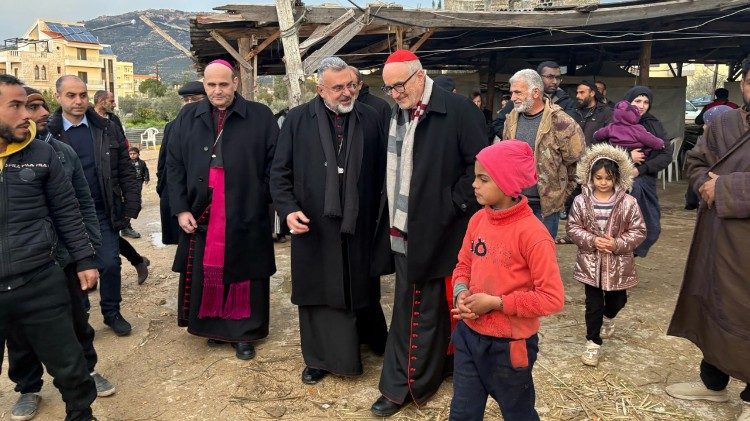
[
  {"x": 24, "y": 367},
  {"x": 37, "y": 203},
  {"x": 591, "y": 112},
  {"x": 111, "y": 178},
  {"x": 226, "y": 246},
  {"x": 170, "y": 230},
  {"x": 433, "y": 139},
  {"x": 326, "y": 178}
]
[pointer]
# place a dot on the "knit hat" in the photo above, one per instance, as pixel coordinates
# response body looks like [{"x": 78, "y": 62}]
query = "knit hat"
[
  {"x": 399, "y": 56},
  {"x": 713, "y": 113},
  {"x": 34, "y": 95},
  {"x": 637, "y": 91},
  {"x": 511, "y": 165},
  {"x": 445, "y": 82},
  {"x": 592, "y": 85},
  {"x": 192, "y": 88}
]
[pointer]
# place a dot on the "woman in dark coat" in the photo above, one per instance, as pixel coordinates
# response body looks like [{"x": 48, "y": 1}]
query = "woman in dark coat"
[{"x": 648, "y": 167}]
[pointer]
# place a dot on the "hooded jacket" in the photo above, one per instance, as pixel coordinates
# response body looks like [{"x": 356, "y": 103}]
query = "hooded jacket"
[
  {"x": 608, "y": 271},
  {"x": 660, "y": 159},
  {"x": 625, "y": 132},
  {"x": 36, "y": 199},
  {"x": 121, "y": 191}
]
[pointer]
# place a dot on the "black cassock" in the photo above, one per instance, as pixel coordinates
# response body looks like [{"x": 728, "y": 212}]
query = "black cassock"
[{"x": 338, "y": 300}]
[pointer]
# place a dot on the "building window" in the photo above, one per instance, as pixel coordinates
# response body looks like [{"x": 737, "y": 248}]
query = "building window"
[
  {"x": 43, "y": 73},
  {"x": 59, "y": 70},
  {"x": 15, "y": 72},
  {"x": 36, "y": 72},
  {"x": 84, "y": 76},
  {"x": 81, "y": 53}
]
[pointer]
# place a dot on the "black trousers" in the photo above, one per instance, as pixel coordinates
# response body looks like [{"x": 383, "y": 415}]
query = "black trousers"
[
  {"x": 129, "y": 252},
  {"x": 24, "y": 367},
  {"x": 40, "y": 310},
  {"x": 715, "y": 379},
  {"x": 600, "y": 303},
  {"x": 482, "y": 367}
]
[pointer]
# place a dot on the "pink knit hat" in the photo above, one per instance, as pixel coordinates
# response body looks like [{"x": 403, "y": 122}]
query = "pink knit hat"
[{"x": 511, "y": 165}]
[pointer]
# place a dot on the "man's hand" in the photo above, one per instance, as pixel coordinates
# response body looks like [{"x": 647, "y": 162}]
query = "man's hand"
[
  {"x": 88, "y": 278},
  {"x": 708, "y": 189},
  {"x": 481, "y": 303},
  {"x": 461, "y": 311},
  {"x": 297, "y": 222},
  {"x": 187, "y": 222},
  {"x": 637, "y": 156}
]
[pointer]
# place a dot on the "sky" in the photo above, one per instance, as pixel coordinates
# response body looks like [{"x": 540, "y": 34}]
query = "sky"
[{"x": 25, "y": 12}]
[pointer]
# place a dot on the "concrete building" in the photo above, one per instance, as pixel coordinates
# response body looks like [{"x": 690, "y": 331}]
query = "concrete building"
[
  {"x": 50, "y": 49},
  {"x": 124, "y": 82}
]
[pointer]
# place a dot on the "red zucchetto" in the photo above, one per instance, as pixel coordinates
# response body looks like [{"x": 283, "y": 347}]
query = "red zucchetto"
[{"x": 399, "y": 56}]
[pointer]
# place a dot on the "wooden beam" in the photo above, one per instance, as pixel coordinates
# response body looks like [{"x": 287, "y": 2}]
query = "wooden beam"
[
  {"x": 323, "y": 32},
  {"x": 333, "y": 45},
  {"x": 232, "y": 52},
  {"x": 644, "y": 63},
  {"x": 247, "y": 88},
  {"x": 399, "y": 38},
  {"x": 266, "y": 42},
  {"x": 167, "y": 37},
  {"x": 490, "y": 96},
  {"x": 422, "y": 40},
  {"x": 378, "y": 47},
  {"x": 447, "y": 19},
  {"x": 292, "y": 57}
]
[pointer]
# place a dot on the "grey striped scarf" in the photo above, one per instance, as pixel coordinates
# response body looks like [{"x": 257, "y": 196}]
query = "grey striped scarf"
[{"x": 399, "y": 163}]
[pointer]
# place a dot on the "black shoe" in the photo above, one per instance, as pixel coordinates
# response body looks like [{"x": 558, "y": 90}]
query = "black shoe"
[
  {"x": 385, "y": 408},
  {"x": 119, "y": 325},
  {"x": 130, "y": 232},
  {"x": 141, "y": 270},
  {"x": 312, "y": 375},
  {"x": 244, "y": 350},
  {"x": 691, "y": 207}
]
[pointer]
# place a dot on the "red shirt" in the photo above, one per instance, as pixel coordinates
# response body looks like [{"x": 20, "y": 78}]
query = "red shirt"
[{"x": 509, "y": 253}]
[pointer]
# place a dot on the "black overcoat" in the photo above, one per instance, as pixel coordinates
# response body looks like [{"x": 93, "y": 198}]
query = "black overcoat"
[
  {"x": 248, "y": 142},
  {"x": 441, "y": 200},
  {"x": 298, "y": 178}
]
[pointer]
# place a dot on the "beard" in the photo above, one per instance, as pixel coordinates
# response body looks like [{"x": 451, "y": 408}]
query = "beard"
[
  {"x": 340, "y": 108},
  {"x": 524, "y": 107},
  {"x": 7, "y": 133},
  {"x": 584, "y": 103}
]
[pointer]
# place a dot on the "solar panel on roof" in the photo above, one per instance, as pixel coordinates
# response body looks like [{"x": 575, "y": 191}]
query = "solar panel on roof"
[{"x": 75, "y": 33}]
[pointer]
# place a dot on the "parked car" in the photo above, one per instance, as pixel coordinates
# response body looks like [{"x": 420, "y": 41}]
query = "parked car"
[
  {"x": 691, "y": 111},
  {"x": 701, "y": 100}
]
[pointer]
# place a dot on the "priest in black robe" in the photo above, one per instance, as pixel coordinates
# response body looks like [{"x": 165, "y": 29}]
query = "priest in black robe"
[{"x": 326, "y": 179}]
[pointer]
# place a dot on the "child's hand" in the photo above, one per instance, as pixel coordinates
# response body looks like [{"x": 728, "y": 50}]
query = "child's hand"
[
  {"x": 610, "y": 245},
  {"x": 481, "y": 303},
  {"x": 601, "y": 244},
  {"x": 461, "y": 311}
]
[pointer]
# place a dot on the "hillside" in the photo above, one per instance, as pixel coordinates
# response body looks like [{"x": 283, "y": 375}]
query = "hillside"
[{"x": 145, "y": 48}]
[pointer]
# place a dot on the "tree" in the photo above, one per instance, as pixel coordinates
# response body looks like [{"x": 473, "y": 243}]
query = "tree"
[
  {"x": 49, "y": 98},
  {"x": 152, "y": 88}
]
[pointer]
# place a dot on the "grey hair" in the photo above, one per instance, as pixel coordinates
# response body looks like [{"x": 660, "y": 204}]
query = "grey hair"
[
  {"x": 64, "y": 78},
  {"x": 357, "y": 73},
  {"x": 331, "y": 63},
  {"x": 100, "y": 95},
  {"x": 414, "y": 65},
  {"x": 530, "y": 77}
]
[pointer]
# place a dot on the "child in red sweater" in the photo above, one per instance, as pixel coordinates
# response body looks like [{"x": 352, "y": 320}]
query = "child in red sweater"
[{"x": 506, "y": 278}]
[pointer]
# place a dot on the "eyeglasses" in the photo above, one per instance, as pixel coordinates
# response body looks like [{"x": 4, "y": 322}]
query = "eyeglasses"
[
  {"x": 340, "y": 88},
  {"x": 398, "y": 87},
  {"x": 553, "y": 77}
]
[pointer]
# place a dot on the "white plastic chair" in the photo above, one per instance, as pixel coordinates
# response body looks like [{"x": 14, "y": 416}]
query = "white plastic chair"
[
  {"x": 666, "y": 174},
  {"x": 148, "y": 137}
]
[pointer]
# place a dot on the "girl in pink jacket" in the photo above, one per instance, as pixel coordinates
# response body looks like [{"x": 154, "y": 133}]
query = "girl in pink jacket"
[{"x": 606, "y": 224}]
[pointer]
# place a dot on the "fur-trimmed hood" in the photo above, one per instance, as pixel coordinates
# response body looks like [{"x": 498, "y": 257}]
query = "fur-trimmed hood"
[{"x": 606, "y": 151}]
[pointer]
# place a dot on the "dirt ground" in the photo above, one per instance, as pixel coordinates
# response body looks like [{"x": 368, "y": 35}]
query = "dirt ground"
[{"x": 163, "y": 373}]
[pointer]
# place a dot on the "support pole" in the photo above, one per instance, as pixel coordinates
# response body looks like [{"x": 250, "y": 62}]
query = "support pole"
[
  {"x": 492, "y": 70},
  {"x": 247, "y": 88},
  {"x": 644, "y": 63},
  {"x": 292, "y": 56}
]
